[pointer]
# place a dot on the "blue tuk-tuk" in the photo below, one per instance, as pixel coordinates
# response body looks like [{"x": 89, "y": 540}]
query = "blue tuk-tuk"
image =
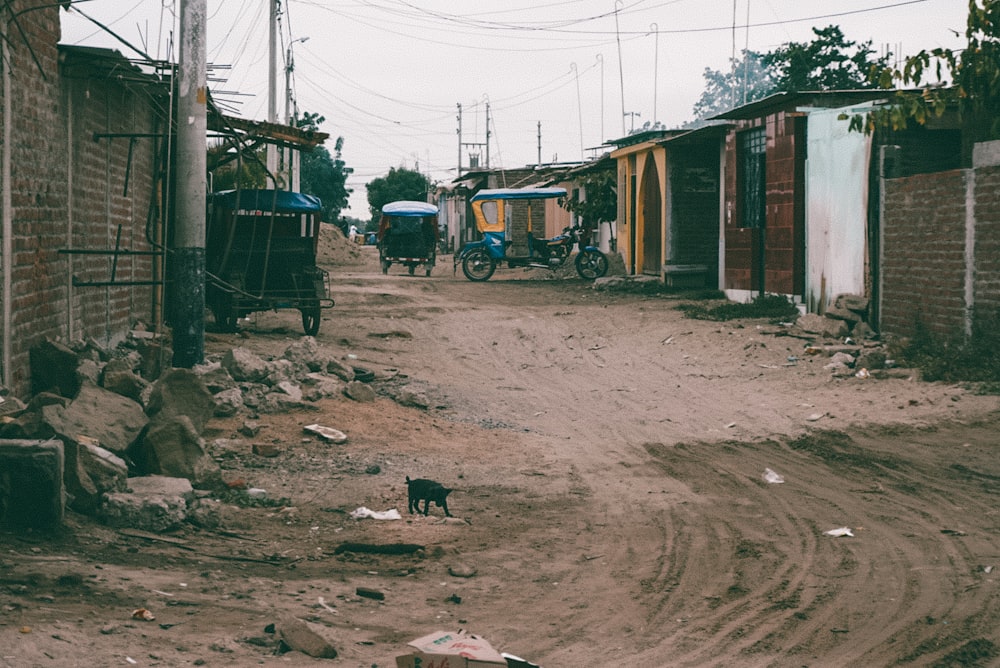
[
  {"x": 408, "y": 235},
  {"x": 505, "y": 218}
]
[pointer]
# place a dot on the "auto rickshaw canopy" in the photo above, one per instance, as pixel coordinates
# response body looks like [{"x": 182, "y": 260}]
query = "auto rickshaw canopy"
[{"x": 488, "y": 206}]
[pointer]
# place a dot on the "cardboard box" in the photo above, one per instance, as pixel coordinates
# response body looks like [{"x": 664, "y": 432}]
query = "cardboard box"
[{"x": 451, "y": 649}]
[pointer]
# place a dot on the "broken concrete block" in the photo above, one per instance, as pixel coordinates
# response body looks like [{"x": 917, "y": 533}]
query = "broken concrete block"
[
  {"x": 359, "y": 391},
  {"x": 173, "y": 447},
  {"x": 181, "y": 392},
  {"x": 53, "y": 368},
  {"x": 154, "y": 503},
  {"x": 307, "y": 638},
  {"x": 113, "y": 420},
  {"x": 244, "y": 366},
  {"x": 31, "y": 484}
]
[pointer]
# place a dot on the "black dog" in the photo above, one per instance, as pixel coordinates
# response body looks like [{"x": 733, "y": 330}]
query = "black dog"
[{"x": 427, "y": 491}]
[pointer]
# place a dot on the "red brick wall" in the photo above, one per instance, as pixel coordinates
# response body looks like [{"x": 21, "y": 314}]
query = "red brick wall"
[
  {"x": 103, "y": 201},
  {"x": 923, "y": 267},
  {"x": 37, "y": 189},
  {"x": 44, "y": 304},
  {"x": 785, "y": 223}
]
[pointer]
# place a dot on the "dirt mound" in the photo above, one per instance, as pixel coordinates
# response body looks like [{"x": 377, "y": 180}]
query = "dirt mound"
[{"x": 336, "y": 250}]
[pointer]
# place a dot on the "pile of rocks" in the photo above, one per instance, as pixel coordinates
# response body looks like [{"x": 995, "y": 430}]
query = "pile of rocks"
[{"x": 99, "y": 421}]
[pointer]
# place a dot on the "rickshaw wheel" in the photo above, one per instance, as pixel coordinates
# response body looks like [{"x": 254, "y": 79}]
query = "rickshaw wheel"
[
  {"x": 385, "y": 266},
  {"x": 427, "y": 271},
  {"x": 591, "y": 264},
  {"x": 478, "y": 265},
  {"x": 412, "y": 268},
  {"x": 310, "y": 320}
]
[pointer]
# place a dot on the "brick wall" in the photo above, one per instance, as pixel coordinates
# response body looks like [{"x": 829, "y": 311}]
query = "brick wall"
[
  {"x": 37, "y": 189},
  {"x": 784, "y": 231},
  {"x": 987, "y": 216},
  {"x": 108, "y": 210},
  {"x": 923, "y": 267},
  {"x": 52, "y": 146}
]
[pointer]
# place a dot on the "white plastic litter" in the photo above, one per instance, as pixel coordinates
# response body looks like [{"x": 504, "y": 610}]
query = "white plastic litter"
[
  {"x": 837, "y": 533},
  {"x": 326, "y": 433},
  {"x": 773, "y": 477},
  {"x": 362, "y": 513}
]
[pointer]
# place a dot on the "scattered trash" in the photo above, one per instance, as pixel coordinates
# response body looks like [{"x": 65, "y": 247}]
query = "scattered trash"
[
  {"x": 131, "y": 661},
  {"x": 792, "y": 358},
  {"x": 24, "y": 629},
  {"x": 862, "y": 373},
  {"x": 323, "y": 604},
  {"x": 952, "y": 532},
  {"x": 446, "y": 648},
  {"x": 812, "y": 350},
  {"x": 362, "y": 513},
  {"x": 772, "y": 477},
  {"x": 815, "y": 416},
  {"x": 326, "y": 433},
  {"x": 368, "y": 592},
  {"x": 987, "y": 569},
  {"x": 837, "y": 533},
  {"x": 143, "y": 614}
]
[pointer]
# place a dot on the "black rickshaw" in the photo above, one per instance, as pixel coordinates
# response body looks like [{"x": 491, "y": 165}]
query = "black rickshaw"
[
  {"x": 260, "y": 253},
  {"x": 408, "y": 235}
]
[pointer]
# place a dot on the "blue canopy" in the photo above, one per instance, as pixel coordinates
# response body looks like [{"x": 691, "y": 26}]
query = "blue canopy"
[
  {"x": 519, "y": 193},
  {"x": 281, "y": 201},
  {"x": 409, "y": 208}
]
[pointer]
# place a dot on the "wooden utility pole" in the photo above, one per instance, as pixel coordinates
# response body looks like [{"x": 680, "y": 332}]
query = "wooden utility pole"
[{"x": 189, "y": 201}]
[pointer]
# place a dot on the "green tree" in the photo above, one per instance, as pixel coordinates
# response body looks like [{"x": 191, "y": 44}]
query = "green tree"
[
  {"x": 324, "y": 175},
  {"x": 967, "y": 80},
  {"x": 746, "y": 81},
  {"x": 601, "y": 191},
  {"x": 229, "y": 173},
  {"x": 399, "y": 184},
  {"x": 829, "y": 62}
]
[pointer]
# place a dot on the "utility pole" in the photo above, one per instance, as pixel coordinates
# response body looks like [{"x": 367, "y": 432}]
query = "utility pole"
[
  {"x": 189, "y": 200},
  {"x": 487, "y": 135},
  {"x": 272, "y": 88},
  {"x": 459, "y": 172},
  {"x": 294, "y": 159},
  {"x": 539, "y": 143}
]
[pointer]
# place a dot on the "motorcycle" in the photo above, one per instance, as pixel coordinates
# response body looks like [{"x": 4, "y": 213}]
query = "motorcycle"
[{"x": 494, "y": 216}]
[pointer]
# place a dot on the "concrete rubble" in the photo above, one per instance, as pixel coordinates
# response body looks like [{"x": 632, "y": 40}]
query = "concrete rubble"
[{"x": 100, "y": 421}]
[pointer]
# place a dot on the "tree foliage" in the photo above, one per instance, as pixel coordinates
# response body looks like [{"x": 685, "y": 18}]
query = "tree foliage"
[
  {"x": 829, "y": 62},
  {"x": 324, "y": 175},
  {"x": 967, "y": 80},
  {"x": 399, "y": 184},
  {"x": 601, "y": 203},
  {"x": 746, "y": 81}
]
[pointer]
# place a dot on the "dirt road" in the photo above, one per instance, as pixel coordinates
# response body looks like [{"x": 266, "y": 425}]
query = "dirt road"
[{"x": 608, "y": 459}]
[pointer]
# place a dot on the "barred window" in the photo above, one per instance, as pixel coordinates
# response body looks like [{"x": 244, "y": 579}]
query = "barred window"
[{"x": 753, "y": 149}]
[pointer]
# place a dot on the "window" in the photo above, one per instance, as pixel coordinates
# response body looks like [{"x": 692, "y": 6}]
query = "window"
[{"x": 752, "y": 173}]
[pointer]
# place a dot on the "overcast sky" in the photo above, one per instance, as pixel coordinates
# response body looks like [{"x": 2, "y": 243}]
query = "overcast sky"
[{"x": 388, "y": 74}]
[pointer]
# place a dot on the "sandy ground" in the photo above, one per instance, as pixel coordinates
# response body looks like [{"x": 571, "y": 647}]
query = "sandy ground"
[{"x": 608, "y": 458}]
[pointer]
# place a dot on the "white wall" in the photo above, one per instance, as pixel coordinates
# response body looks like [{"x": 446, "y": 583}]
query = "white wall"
[{"x": 836, "y": 207}]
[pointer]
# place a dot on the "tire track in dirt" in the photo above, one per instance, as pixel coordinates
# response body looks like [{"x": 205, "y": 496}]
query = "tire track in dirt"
[{"x": 780, "y": 585}]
